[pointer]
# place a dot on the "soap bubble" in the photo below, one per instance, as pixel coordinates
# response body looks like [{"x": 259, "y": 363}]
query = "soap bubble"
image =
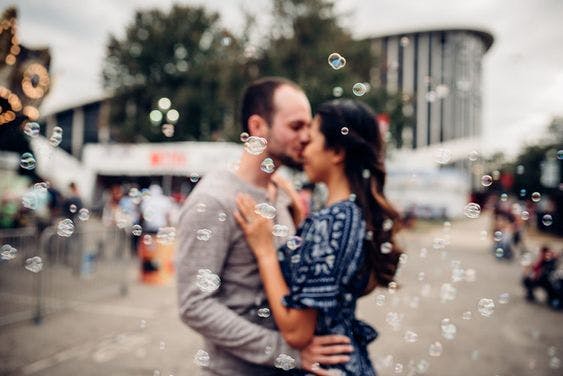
[
  {"x": 84, "y": 214},
  {"x": 547, "y": 220},
  {"x": 449, "y": 329},
  {"x": 386, "y": 248},
  {"x": 435, "y": 349},
  {"x": 194, "y": 177},
  {"x": 166, "y": 235},
  {"x": 34, "y": 264},
  {"x": 203, "y": 234},
  {"x": 207, "y": 281},
  {"x": 31, "y": 129},
  {"x": 147, "y": 240},
  {"x": 467, "y": 315},
  {"x": 486, "y": 180},
  {"x": 486, "y": 307},
  {"x": 255, "y": 145},
  {"x": 201, "y": 358},
  {"x": 337, "y": 91},
  {"x": 359, "y": 89},
  {"x": 56, "y": 136},
  {"x": 72, "y": 208},
  {"x": 200, "y": 207},
  {"x": 447, "y": 292},
  {"x": 267, "y": 165},
  {"x": 472, "y": 210},
  {"x": 137, "y": 230},
  {"x": 284, "y": 362},
  {"x": 244, "y": 137},
  {"x": 294, "y": 242},
  {"x": 263, "y": 312},
  {"x": 410, "y": 336},
  {"x": 442, "y": 156},
  {"x": 344, "y": 130},
  {"x": 265, "y": 210},
  {"x": 498, "y": 236},
  {"x": 65, "y": 228},
  {"x": 504, "y": 298},
  {"x": 280, "y": 230},
  {"x": 27, "y": 161},
  {"x": 7, "y": 252},
  {"x": 336, "y": 61},
  {"x": 222, "y": 217}
]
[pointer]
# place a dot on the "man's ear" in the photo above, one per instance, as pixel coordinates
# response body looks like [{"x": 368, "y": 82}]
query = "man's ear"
[
  {"x": 338, "y": 156},
  {"x": 257, "y": 126}
]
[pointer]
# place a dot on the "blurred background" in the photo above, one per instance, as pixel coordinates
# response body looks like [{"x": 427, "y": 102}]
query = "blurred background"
[{"x": 111, "y": 112}]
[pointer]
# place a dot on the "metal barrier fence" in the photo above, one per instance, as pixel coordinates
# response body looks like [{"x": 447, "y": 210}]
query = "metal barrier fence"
[{"x": 93, "y": 263}]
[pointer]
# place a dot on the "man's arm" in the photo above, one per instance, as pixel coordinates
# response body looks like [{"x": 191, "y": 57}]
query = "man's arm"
[{"x": 200, "y": 309}]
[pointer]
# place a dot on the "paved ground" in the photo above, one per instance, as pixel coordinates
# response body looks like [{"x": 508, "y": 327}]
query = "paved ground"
[{"x": 140, "y": 334}]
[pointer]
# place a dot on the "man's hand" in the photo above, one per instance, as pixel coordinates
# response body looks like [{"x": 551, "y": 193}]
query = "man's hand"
[{"x": 325, "y": 350}]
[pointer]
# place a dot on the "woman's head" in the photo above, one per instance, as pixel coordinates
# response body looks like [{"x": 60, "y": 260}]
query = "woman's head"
[{"x": 345, "y": 134}]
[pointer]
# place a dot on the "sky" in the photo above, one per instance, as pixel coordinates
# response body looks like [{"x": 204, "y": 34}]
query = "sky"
[{"x": 522, "y": 72}]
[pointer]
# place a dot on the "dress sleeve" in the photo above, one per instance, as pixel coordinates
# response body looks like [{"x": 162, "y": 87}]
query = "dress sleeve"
[{"x": 329, "y": 256}]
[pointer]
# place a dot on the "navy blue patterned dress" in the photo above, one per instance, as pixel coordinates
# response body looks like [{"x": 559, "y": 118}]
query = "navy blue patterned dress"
[{"x": 324, "y": 274}]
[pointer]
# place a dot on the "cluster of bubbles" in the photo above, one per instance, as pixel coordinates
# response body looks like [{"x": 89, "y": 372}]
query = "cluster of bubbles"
[
  {"x": 34, "y": 264},
  {"x": 7, "y": 252},
  {"x": 207, "y": 281},
  {"x": 336, "y": 61}
]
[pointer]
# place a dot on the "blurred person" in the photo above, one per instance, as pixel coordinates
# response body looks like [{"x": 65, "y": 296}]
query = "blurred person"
[
  {"x": 211, "y": 247},
  {"x": 156, "y": 210},
  {"x": 313, "y": 289},
  {"x": 112, "y": 213},
  {"x": 539, "y": 274}
]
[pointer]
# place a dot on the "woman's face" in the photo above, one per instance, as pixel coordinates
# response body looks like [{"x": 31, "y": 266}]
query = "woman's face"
[{"x": 317, "y": 159}]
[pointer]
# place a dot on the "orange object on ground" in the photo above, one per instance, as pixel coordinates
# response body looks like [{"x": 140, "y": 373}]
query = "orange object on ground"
[{"x": 157, "y": 261}]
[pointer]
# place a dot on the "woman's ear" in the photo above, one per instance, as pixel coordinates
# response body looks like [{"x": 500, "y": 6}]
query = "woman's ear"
[
  {"x": 257, "y": 126},
  {"x": 338, "y": 156}
]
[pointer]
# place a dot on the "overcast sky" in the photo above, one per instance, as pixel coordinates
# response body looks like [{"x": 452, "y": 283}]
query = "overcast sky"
[{"x": 523, "y": 71}]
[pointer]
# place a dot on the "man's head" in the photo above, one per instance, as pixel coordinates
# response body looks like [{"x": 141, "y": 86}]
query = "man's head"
[{"x": 278, "y": 110}]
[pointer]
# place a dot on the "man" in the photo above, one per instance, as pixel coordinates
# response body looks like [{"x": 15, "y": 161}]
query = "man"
[{"x": 219, "y": 288}]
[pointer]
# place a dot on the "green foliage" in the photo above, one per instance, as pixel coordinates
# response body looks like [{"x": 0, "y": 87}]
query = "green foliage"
[{"x": 205, "y": 84}]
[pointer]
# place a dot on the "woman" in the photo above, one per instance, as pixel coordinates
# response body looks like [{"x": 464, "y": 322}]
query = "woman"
[{"x": 346, "y": 248}]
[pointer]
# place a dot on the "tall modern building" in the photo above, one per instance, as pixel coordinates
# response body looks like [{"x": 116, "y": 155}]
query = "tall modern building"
[{"x": 438, "y": 72}]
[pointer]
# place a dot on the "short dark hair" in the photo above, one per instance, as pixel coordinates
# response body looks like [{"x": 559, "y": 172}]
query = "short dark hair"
[{"x": 258, "y": 99}]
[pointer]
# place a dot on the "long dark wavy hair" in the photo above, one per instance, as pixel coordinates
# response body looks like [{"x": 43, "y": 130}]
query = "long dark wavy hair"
[{"x": 351, "y": 126}]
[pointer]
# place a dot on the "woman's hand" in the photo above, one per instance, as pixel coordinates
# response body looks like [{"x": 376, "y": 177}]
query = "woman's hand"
[
  {"x": 257, "y": 229},
  {"x": 297, "y": 205}
]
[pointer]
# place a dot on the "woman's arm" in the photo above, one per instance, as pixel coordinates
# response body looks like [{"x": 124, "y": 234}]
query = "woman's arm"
[{"x": 297, "y": 326}]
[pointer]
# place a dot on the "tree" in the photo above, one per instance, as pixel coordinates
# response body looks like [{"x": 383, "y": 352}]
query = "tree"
[{"x": 183, "y": 55}]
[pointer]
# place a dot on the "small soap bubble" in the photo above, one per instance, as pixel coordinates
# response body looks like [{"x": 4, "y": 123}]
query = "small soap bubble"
[
  {"x": 284, "y": 362},
  {"x": 380, "y": 299},
  {"x": 344, "y": 130},
  {"x": 263, "y": 312},
  {"x": 203, "y": 234},
  {"x": 352, "y": 197},
  {"x": 207, "y": 281},
  {"x": 84, "y": 214},
  {"x": 34, "y": 264},
  {"x": 56, "y": 136},
  {"x": 27, "y": 161},
  {"x": 504, "y": 298},
  {"x": 294, "y": 242},
  {"x": 194, "y": 177},
  {"x": 467, "y": 315},
  {"x": 162, "y": 345},
  {"x": 386, "y": 248},
  {"x": 255, "y": 145},
  {"x": 410, "y": 336},
  {"x": 497, "y": 236},
  {"x": 520, "y": 169},
  {"x": 168, "y": 130},
  {"x": 267, "y": 165},
  {"x": 447, "y": 292},
  {"x": 337, "y": 91},
  {"x": 136, "y": 230},
  {"x": 201, "y": 358},
  {"x": 442, "y": 156},
  {"x": 265, "y": 210},
  {"x": 449, "y": 329},
  {"x": 222, "y": 217},
  {"x": 359, "y": 89},
  {"x": 435, "y": 349},
  {"x": 65, "y": 228},
  {"x": 473, "y": 156},
  {"x": 244, "y": 137},
  {"x": 486, "y": 180},
  {"x": 336, "y": 61},
  {"x": 268, "y": 350},
  {"x": 392, "y": 287},
  {"x": 200, "y": 207},
  {"x": 525, "y": 215},
  {"x": 72, "y": 208},
  {"x": 166, "y": 235},
  {"x": 554, "y": 362},
  {"x": 503, "y": 197},
  {"x": 7, "y": 252},
  {"x": 280, "y": 230},
  {"x": 547, "y": 220},
  {"x": 486, "y": 307},
  {"x": 147, "y": 240},
  {"x": 31, "y": 129},
  {"x": 472, "y": 210}
]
